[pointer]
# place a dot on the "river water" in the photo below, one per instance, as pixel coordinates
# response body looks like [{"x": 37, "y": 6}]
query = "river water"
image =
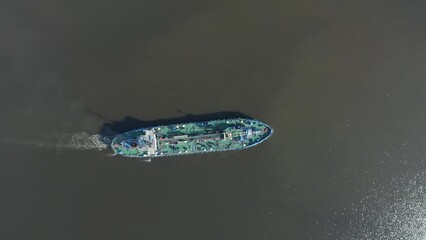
[{"x": 341, "y": 82}]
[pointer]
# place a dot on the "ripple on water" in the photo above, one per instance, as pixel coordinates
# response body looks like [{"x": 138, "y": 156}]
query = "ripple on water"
[{"x": 392, "y": 210}]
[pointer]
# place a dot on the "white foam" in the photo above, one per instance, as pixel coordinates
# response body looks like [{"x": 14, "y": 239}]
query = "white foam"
[{"x": 71, "y": 141}]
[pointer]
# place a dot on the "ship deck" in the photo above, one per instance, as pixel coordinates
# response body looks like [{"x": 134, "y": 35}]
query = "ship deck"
[{"x": 198, "y": 137}]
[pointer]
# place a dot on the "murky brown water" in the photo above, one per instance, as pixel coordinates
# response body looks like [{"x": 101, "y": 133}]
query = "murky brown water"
[{"x": 342, "y": 83}]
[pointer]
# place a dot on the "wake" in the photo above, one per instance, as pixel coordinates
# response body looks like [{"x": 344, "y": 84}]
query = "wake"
[{"x": 68, "y": 141}]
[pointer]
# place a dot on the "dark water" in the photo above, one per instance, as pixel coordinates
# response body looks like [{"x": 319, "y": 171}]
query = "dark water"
[{"x": 341, "y": 82}]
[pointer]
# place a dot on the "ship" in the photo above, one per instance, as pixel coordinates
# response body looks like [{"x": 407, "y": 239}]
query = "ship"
[{"x": 191, "y": 138}]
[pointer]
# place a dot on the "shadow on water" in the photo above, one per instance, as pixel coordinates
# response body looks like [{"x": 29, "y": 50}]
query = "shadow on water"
[{"x": 110, "y": 129}]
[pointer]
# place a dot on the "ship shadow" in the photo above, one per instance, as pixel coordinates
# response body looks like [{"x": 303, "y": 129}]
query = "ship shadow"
[{"x": 110, "y": 129}]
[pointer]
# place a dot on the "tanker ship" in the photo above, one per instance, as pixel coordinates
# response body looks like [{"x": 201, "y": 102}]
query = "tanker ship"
[{"x": 191, "y": 138}]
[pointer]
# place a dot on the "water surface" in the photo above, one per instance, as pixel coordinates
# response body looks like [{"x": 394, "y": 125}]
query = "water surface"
[{"x": 341, "y": 83}]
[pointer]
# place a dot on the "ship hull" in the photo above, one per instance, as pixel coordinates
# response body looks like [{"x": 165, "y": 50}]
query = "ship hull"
[{"x": 191, "y": 138}]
